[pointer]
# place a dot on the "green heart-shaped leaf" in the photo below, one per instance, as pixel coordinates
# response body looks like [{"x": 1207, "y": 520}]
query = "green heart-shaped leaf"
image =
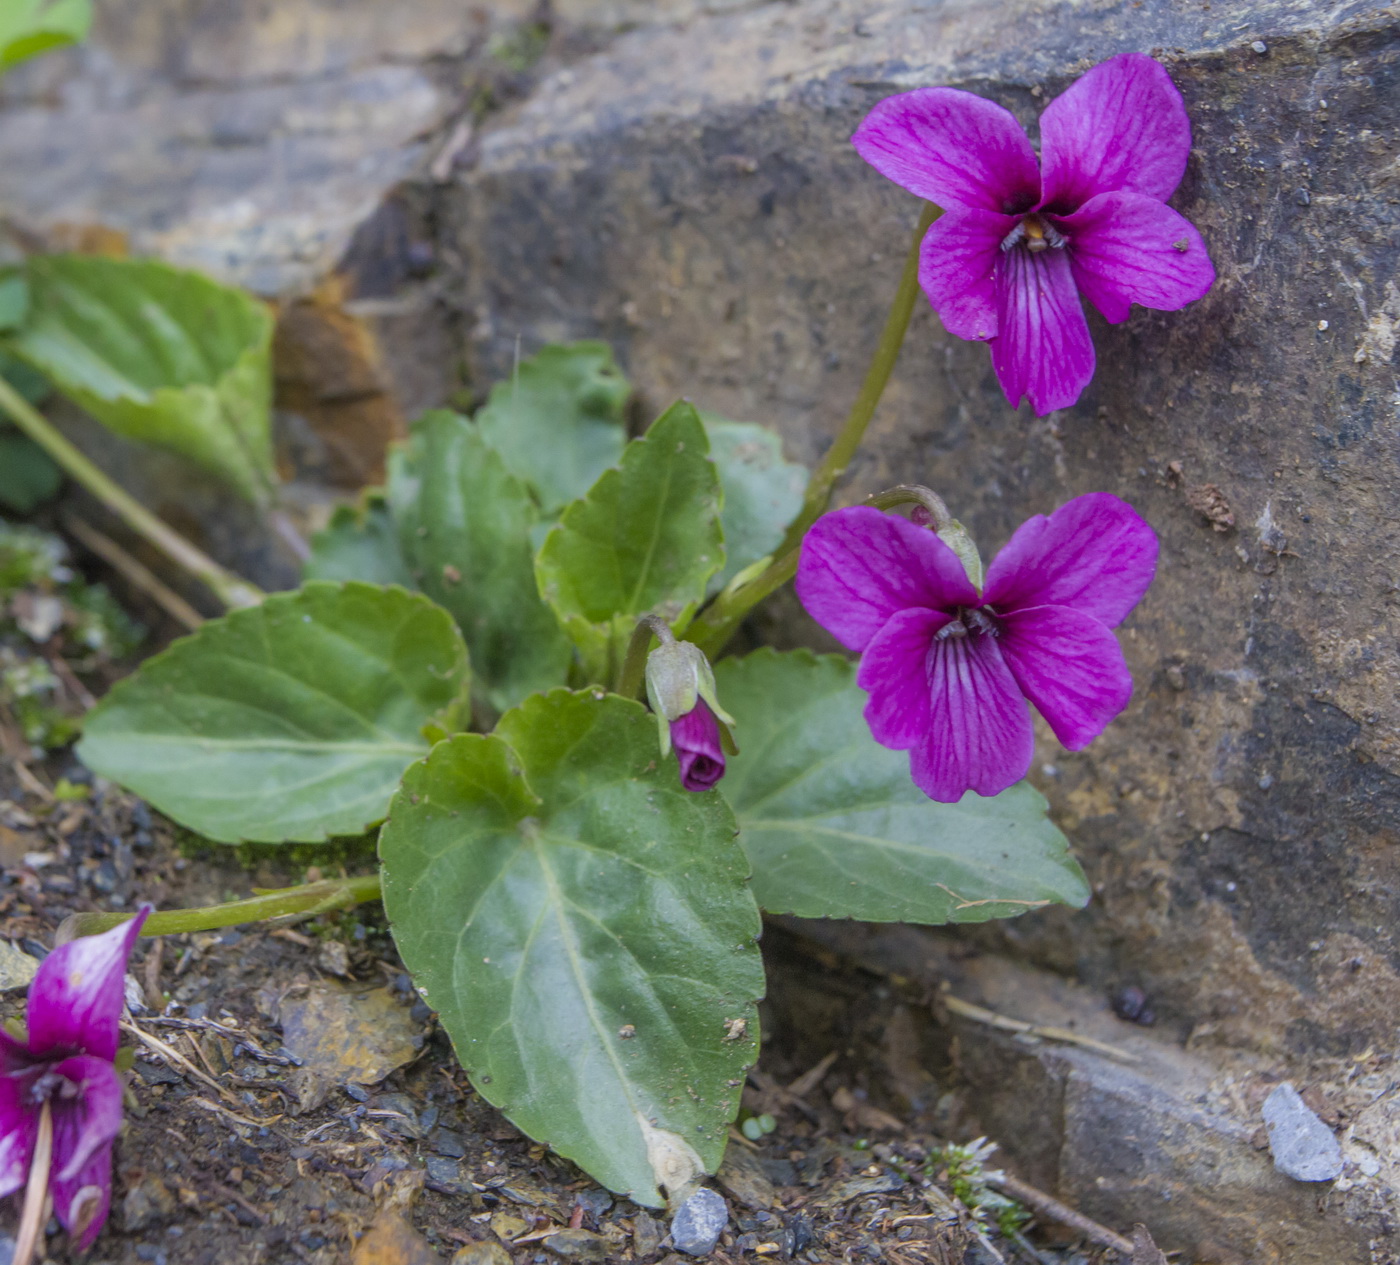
[
  {"x": 464, "y": 524},
  {"x": 289, "y": 721},
  {"x": 646, "y": 538},
  {"x": 762, "y": 492},
  {"x": 835, "y": 828},
  {"x": 582, "y": 926},
  {"x": 158, "y": 355},
  {"x": 557, "y": 422},
  {"x": 359, "y": 543}
]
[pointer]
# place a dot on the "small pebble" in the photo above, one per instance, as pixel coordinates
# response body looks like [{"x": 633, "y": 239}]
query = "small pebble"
[
  {"x": 699, "y": 1223},
  {"x": 1260, "y": 47},
  {"x": 579, "y": 1245},
  {"x": 1303, "y": 1147},
  {"x": 1322, "y": 326}
]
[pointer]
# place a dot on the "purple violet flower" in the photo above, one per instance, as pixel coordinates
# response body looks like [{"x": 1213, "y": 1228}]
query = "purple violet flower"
[
  {"x": 1018, "y": 243},
  {"x": 696, "y": 739},
  {"x": 64, "y": 1072},
  {"x": 949, "y": 671}
]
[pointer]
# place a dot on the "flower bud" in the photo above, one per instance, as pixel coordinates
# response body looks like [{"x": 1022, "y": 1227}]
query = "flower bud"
[
  {"x": 681, "y": 690},
  {"x": 696, "y": 738}
]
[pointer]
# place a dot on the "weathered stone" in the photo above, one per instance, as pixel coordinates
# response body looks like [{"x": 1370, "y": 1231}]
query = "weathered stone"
[
  {"x": 1158, "y": 1134},
  {"x": 485, "y": 1253},
  {"x": 742, "y": 1176},
  {"x": 345, "y": 1035},
  {"x": 147, "y": 1204},
  {"x": 1303, "y": 1147},
  {"x": 700, "y": 1221},
  {"x": 578, "y": 1245}
]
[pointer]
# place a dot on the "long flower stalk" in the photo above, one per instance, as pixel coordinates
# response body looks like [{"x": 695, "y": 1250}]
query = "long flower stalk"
[
  {"x": 714, "y": 626},
  {"x": 308, "y": 899},
  {"x": 232, "y": 590}
]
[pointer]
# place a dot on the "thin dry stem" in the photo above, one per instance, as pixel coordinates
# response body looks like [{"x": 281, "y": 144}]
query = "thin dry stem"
[
  {"x": 136, "y": 573},
  {"x": 36, "y": 1194},
  {"x": 1049, "y": 1206},
  {"x": 1006, "y": 1024}
]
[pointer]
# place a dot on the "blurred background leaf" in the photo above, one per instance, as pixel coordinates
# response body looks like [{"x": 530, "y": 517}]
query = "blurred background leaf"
[
  {"x": 159, "y": 355},
  {"x": 31, "y": 27}
]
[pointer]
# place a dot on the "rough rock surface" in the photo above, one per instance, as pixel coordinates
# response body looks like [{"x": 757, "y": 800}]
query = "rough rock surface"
[
  {"x": 1239, "y": 822},
  {"x": 685, "y": 189}
]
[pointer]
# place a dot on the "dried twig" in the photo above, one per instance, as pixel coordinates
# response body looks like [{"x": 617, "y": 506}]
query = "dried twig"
[
  {"x": 136, "y": 573},
  {"x": 1005, "y": 1024},
  {"x": 1049, "y": 1206},
  {"x": 30, "y": 782},
  {"x": 812, "y": 1077},
  {"x": 171, "y": 1055}
]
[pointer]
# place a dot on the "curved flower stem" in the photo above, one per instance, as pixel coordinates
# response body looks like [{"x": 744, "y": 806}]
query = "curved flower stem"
[
  {"x": 841, "y": 453},
  {"x": 36, "y": 1194},
  {"x": 308, "y": 899},
  {"x": 914, "y": 494},
  {"x": 230, "y": 589},
  {"x": 714, "y": 626},
  {"x": 634, "y": 666}
]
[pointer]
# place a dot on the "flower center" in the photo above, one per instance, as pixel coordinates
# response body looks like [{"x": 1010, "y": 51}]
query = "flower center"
[
  {"x": 50, "y": 1084},
  {"x": 968, "y": 622},
  {"x": 1034, "y": 234}
]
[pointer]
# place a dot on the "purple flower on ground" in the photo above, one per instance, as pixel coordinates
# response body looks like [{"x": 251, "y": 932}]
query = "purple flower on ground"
[
  {"x": 695, "y": 737},
  {"x": 1019, "y": 242},
  {"x": 65, "y": 1069},
  {"x": 949, "y": 671}
]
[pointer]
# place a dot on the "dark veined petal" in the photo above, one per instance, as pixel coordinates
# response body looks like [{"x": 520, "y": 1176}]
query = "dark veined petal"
[
  {"x": 1095, "y": 553},
  {"x": 1139, "y": 249},
  {"x": 1121, "y": 126},
  {"x": 859, "y": 567},
  {"x": 1070, "y": 666},
  {"x": 75, "y": 1001},
  {"x": 979, "y": 736},
  {"x": 85, "y": 1122},
  {"x": 953, "y": 148},
  {"x": 1042, "y": 351},
  {"x": 695, "y": 736},
  {"x": 894, "y": 672},
  {"x": 82, "y": 1201},
  {"x": 957, "y": 266}
]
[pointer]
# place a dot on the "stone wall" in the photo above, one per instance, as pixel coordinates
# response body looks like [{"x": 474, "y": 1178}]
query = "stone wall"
[{"x": 677, "y": 179}]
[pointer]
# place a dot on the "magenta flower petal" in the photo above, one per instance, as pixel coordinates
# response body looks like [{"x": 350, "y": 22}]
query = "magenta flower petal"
[
  {"x": 1121, "y": 126},
  {"x": 957, "y": 269},
  {"x": 18, "y": 1129},
  {"x": 695, "y": 736},
  {"x": 1042, "y": 350},
  {"x": 894, "y": 672},
  {"x": 88, "y": 1119},
  {"x": 953, "y": 148},
  {"x": 1139, "y": 248},
  {"x": 75, "y": 1001},
  {"x": 859, "y": 567},
  {"x": 979, "y": 736},
  {"x": 1095, "y": 554},
  {"x": 82, "y": 1201},
  {"x": 1070, "y": 666}
]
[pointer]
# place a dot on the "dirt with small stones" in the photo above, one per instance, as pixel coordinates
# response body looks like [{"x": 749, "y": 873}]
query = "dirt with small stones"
[{"x": 219, "y": 1164}]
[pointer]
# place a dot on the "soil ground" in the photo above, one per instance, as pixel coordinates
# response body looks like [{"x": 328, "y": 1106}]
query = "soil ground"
[{"x": 228, "y": 1158}]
